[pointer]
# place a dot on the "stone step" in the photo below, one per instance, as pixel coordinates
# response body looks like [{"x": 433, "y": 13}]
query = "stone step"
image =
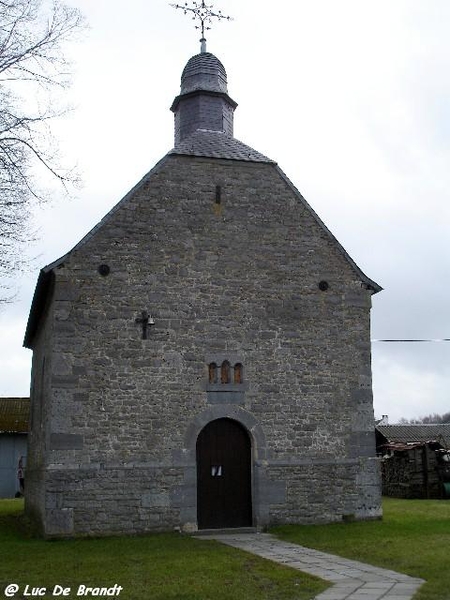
[{"x": 230, "y": 531}]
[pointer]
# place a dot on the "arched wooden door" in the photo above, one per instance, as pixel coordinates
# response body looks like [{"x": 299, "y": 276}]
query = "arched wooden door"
[{"x": 224, "y": 490}]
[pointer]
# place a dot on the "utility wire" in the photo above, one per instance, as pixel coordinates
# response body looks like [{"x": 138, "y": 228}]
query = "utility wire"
[{"x": 412, "y": 340}]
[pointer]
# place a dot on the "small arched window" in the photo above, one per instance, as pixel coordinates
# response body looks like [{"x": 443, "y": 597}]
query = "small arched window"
[
  {"x": 212, "y": 372},
  {"x": 225, "y": 372},
  {"x": 238, "y": 373}
]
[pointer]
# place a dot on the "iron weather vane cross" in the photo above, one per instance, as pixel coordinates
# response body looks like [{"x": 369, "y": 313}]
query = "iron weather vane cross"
[{"x": 204, "y": 13}]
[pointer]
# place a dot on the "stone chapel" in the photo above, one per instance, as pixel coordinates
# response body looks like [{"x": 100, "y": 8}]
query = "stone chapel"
[{"x": 201, "y": 358}]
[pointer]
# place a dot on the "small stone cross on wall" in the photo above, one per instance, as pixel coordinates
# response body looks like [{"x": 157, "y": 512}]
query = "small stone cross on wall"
[{"x": 146, "y": 321}]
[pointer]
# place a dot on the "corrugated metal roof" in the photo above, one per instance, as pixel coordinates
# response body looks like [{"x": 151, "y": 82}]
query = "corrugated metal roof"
[
  {"x": 14, "y": 415},
  {"x": 416, "y": 433}
]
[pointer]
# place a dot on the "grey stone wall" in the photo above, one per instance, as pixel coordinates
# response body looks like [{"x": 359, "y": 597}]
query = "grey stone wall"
[
  {"x": 239, "y": 279},
  {"x": 41, "y": 421}
]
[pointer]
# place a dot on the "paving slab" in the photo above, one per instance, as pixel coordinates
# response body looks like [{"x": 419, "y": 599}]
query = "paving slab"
[{"x": 352, "y": 580}]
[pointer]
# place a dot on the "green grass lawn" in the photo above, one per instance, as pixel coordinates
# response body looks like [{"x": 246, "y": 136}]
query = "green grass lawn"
[
  {"x": 412, "y": 538},
  {"x": 151, "y": 567}
]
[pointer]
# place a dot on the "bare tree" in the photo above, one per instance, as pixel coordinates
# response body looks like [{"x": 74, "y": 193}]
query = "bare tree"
[
  {"x": 427, "y": 420},
  {"x": 32, "y": 67}
]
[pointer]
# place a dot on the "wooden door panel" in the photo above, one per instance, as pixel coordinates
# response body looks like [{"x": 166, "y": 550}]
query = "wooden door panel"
[{"x": 223, "y": 476}]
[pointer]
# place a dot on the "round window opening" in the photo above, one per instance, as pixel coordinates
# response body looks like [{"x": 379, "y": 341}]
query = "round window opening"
[{"x": 104, "y": 270}]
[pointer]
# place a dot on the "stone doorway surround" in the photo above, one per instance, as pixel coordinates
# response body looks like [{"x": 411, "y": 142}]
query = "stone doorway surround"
[{"x": 262, "y": 489}]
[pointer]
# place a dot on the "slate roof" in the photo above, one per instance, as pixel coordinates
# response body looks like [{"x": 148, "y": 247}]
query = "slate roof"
[
  {"x": 416, "y": 433},
  {"x": 216, "y": 144},
  {"x": 204, "y": 71},
  {"x": 14, "y": 415}
]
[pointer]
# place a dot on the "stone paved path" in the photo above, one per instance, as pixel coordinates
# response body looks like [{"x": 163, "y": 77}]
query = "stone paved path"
[{"x": 352, "y": 580}]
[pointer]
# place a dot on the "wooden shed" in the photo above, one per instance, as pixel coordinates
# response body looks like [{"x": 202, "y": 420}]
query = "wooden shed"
[{"x": 415, "y": 460}]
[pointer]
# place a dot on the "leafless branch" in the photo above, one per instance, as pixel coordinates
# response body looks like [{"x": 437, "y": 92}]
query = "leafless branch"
[{"x": 32, "y": 64}]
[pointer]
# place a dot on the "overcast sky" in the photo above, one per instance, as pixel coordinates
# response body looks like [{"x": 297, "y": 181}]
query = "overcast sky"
[{"x": 350, "y": 97}]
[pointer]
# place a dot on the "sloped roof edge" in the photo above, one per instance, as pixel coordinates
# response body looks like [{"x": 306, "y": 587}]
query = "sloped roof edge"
[
  {"x": 371, "y": 285},
  {"x": 45, "y": 278},
  {"x": 14, "y": 415},
  {"x": 108, "y": 215},
  {"x": 203, "y": 92},
  {"x": 417, "y": 432}
]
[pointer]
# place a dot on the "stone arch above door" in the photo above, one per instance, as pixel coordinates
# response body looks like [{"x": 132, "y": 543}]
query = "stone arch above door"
[
  {"x": 245, "y": 418},
  {"x": 262, "y": 487}
]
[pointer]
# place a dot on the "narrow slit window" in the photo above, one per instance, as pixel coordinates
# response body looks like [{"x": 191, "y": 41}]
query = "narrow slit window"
[
  {"x": 225, "y": 372},
  {"x": 212, "y": 373},
  {"x": 238, "y": 373}
]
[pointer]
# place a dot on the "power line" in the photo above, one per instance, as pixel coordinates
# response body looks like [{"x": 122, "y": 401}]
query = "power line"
[{"x": 412, "y": 340}]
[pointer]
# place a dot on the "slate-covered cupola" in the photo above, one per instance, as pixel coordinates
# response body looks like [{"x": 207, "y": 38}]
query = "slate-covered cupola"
[{"x": 203, "y": 103}]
